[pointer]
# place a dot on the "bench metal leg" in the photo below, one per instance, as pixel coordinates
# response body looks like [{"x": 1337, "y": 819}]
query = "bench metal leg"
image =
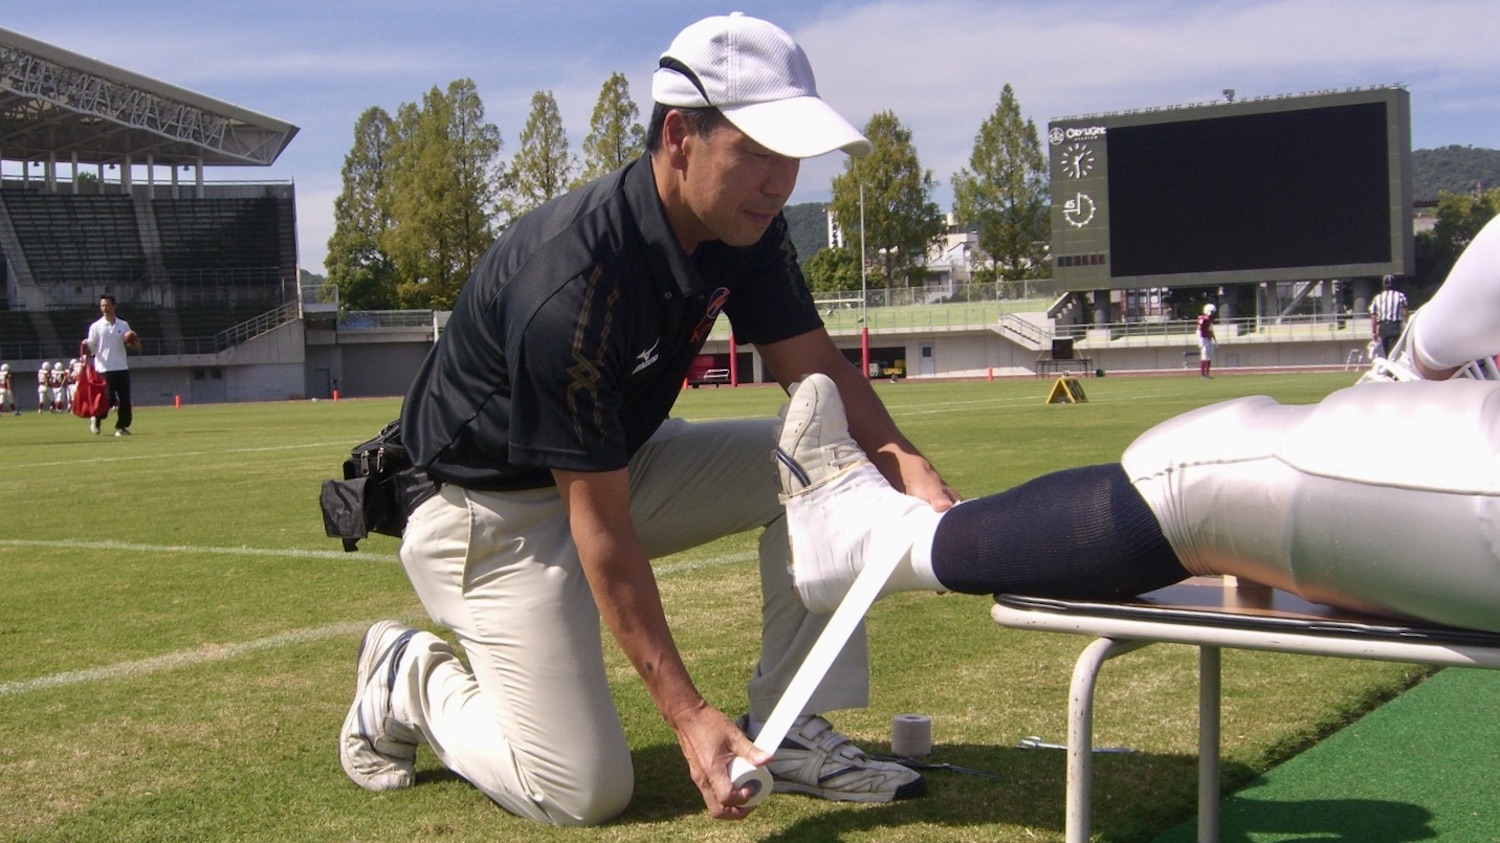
[
  {"x": 1209, "y": 712},
  {"x": 1080, "y": 787}
]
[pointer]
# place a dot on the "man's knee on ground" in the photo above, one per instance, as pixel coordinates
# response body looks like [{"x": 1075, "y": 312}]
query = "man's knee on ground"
[
  {"x": 593, "y": 803},
  {"x": 563, "y": 791}
]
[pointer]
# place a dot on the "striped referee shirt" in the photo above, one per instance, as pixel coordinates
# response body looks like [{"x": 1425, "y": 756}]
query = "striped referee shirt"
[{"x": 1389, "y": 306}]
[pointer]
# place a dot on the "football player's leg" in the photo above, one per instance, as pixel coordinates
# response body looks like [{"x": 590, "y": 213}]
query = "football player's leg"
[
  {"x": 1078, "y": 533},
  {"x": 1462, "y": 321},
  {"x": 1342, "y": 501}
]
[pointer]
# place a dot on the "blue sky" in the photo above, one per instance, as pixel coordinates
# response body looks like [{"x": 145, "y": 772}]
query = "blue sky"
[{"x": 938, "y": 65}]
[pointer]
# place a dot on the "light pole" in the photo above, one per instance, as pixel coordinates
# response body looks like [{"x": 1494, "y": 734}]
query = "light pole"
[
  {"x": 864, "y": 295},
  {"x": 887, "y": 255}
]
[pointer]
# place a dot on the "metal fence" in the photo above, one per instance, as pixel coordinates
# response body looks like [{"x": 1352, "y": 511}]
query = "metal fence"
[{"x": 369, "y": 319}]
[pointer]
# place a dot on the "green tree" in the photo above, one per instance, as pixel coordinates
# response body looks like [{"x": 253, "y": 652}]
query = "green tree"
[
  {"x": 615, "y": 136},
  {"x": 543, "y": 167},
  {"x": 832, "y": 270},
  {"x": 1002, "y": 194},
  {"x": 1458, "y": 218},
  {"x": 442, "y": 191},
  {"x": 364, "y": 274},
  {"x": 900, "y": 219}
]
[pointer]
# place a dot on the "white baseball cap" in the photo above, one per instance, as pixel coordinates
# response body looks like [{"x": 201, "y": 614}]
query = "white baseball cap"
[{"x": 760, "y": 80}]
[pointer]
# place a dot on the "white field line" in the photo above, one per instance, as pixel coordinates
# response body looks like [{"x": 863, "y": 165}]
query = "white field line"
[
  {"x": 97, "y": 460},
  {"x": 223, "y": 652},
  {"x": 128, "y": 547},
  {"x": 682, "y": 566},
  {"x": 182, "y": 658}
]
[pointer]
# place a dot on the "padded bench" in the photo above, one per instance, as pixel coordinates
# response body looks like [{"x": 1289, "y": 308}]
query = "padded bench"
[{"x": 1212, "y": 613}]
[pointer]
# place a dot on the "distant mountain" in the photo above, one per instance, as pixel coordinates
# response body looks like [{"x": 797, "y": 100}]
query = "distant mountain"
[
  {"x": 1456, "y": 169},
  {"x": 808, "y": 224}
]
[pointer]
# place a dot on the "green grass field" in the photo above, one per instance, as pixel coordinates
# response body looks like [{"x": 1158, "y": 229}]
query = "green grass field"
[{"x": 179, "y": 636}]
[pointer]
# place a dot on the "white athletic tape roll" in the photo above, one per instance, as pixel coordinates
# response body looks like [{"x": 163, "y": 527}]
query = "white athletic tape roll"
[
  {"x": 911, "y": 735},
  {"x": 741, "y": 773}
]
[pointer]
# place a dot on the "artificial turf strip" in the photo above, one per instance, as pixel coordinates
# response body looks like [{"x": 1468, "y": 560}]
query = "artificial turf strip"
[{"x": 1421, "y": 767}]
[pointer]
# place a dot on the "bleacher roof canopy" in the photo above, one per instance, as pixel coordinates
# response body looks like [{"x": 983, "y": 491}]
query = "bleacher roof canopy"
[{"x": 57, "y": 103}]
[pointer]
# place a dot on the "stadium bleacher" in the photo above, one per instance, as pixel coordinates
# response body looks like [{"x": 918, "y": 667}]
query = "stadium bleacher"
[
  {"x": 199, "y": 234},
  {"x": 68, "y": 239},
  {"x": 184, "y": 269}
]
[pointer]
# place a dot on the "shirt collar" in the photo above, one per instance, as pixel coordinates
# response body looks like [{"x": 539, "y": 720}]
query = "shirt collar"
[{"x": 670, "y": 265}]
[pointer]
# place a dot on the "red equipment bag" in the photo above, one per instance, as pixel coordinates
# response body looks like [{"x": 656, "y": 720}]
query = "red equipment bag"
[{"x": 91, "y": 398}]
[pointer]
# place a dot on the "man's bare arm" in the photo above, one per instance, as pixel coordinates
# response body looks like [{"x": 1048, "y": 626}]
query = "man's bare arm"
[
  {"x": 624, "y": 589},
  {"x": 870, "y": 424}
]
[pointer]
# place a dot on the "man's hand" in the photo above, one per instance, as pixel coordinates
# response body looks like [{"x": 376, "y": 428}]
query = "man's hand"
[
  {"x": 710, "y": 742},
  {"x": 913, "y": 474},
  {"x": 870, "y": 423},
  {"x": 624, "y": 588}
]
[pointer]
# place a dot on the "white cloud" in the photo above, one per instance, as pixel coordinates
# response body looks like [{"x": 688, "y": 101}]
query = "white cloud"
[
  {"x": 315, "y": 224},
  {"x": 938, "y": 64}
]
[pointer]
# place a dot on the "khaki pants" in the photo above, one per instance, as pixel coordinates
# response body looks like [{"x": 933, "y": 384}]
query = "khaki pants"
[{"x": 530, "y": 720}]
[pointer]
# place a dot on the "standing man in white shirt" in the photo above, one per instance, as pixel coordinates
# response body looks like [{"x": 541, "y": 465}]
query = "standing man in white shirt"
[{"x": 108, "y": 341}]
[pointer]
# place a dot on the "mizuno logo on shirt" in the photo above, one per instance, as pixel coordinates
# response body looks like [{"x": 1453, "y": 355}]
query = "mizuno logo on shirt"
[{"x": 646, "y": 357}]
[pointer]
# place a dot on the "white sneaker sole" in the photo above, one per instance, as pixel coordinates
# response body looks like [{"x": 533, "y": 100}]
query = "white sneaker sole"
[{"x": 391, "y": 773}]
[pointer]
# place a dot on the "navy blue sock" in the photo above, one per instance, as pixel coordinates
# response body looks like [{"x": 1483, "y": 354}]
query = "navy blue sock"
[{"x": 1079, "y": 534}]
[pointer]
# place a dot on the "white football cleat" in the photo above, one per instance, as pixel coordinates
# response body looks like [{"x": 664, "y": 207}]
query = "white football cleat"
[
  {"x": 1400, "y": 364},
  {"x": 841, "y": 511}
]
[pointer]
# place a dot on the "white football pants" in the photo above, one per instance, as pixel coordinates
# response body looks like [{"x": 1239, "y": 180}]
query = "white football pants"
[{"x": 1383, "y": 497}]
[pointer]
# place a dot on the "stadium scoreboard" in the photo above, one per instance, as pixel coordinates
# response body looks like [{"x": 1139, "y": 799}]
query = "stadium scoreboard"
[{"x": 1276, "y": 188}]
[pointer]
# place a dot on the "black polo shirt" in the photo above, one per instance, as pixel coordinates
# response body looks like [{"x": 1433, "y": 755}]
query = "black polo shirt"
[{"x": 570, "y": 341}]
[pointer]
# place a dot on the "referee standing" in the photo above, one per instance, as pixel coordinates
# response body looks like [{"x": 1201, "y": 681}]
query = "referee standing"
[{"x": 1388, "y": 314}]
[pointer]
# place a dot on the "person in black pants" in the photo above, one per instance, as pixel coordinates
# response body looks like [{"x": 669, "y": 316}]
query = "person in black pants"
[{"x": 109, "y": 342}]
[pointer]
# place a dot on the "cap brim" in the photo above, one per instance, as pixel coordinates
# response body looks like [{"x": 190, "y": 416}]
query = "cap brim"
[{"x": 800, "y": 127}]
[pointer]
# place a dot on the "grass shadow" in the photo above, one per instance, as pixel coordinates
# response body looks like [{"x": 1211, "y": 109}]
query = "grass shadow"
[
  {"x": 970, "y": 786},
  {"x": 1322, "y": 820}
]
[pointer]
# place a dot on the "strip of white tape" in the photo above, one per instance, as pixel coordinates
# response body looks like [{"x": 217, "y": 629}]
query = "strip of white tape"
[{"x": 809, "y": 676}]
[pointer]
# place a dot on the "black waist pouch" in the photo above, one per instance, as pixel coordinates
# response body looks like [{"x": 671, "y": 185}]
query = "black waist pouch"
[{"x": 380, "y": 490}]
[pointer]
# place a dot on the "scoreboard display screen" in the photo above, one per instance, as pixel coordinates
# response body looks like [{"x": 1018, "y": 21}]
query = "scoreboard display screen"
[{"x": 1280, "y": 188}]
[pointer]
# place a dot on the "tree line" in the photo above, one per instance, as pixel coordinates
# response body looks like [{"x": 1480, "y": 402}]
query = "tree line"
[
  {"x": 426, "y": 191},
  {"x": 1457, "y": 218}
]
